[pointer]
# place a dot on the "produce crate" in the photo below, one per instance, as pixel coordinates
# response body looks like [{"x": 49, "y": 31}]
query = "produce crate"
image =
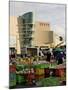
[
  {"x": 12, "y": 83},
  {"x": 30, "y": 77},
  {"x": 12, "y": 68},
  {"x": 53, "y": 65},
  {"x": 47, "y": 72},
  {"x": 50, "y": 81},
  {"x": 39, "y": 71},
  {"x": 42, "y": 66},
  {"x": 38, "y": 77},
  {"x": 20, "y": 79},
  {"x": 60, "y": 72},
  {"x": 12, "y": 79}
]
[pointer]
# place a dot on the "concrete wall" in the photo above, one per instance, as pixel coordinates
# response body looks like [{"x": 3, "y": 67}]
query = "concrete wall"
[
  {"x": 42, "y": 34},
  {"x": 42, "y": 38},
  {"x": 43, "y": 26},
  {"x": 13, "y": 33}
]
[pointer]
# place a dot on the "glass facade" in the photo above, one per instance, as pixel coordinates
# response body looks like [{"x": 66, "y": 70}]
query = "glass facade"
[{"x": 25, "y": 25}]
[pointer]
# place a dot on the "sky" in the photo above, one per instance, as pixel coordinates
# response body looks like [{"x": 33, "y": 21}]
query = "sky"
[{"x": 55, "y": 14}]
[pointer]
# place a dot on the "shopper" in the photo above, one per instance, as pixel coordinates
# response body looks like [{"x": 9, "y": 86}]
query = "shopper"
[
  {"x": 48, "y": 55},
  {"x": 60, "y": 58}
]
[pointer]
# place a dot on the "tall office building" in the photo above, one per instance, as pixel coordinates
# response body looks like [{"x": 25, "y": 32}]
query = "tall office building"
[{"x": 25, "y": 25}]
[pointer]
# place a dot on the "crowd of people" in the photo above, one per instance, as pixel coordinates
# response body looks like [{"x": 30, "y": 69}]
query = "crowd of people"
[
  {"x": 57, "y": 55},
  {"x": 54, "y": 54}
]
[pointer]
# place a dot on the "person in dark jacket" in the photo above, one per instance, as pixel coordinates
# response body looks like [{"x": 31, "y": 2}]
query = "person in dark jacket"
[
  {"x": 60, "y": 57},
  {"x": 48, "y": 56}
]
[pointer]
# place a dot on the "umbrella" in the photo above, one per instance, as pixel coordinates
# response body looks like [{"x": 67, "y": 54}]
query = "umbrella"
[{"x": 59, "y": 49}]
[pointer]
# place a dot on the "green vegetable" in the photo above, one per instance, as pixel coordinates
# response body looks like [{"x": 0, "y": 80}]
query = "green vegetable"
[{"x": 51, "y": 81}]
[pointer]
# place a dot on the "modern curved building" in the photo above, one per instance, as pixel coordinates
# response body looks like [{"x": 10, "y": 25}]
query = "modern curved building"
[{"x": 25, "y": 25}]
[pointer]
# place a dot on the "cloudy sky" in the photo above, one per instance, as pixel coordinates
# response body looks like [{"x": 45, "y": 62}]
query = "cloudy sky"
[{"x": 52, "y": 13}]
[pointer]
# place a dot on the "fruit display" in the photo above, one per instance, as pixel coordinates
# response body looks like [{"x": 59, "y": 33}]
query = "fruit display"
[
  {"x": 31, "y": 71},
  {"x": 39, "y": 71}
]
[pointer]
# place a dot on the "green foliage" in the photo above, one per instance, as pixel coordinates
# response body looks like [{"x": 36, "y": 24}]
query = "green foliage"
[{"x": 51, "y": 81}]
